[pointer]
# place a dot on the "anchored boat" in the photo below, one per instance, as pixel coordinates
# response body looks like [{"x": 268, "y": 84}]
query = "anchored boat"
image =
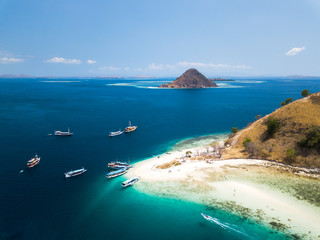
[
  {"x": 117, "y": 173},
  {"x": 33, "y": 161},
  {"x": 117, "y": 165},
  {"x": 130, "y": 128},
  {"x": 112, "y": 134},
  {"x": 60, "y": 133},
  {"x": 130, "y": 182},
  {"x": 75, "y": 172}
]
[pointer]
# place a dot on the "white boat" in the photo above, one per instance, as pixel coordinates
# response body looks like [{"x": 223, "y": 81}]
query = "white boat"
[
  {"x": 60, "y": 133},
  {"x": 117, "y": 173},
  {"x": 207, "y": 217},
  {"x": 130, "y": 182},
  {"x": 75, "y": 172},
  {"x": 33, "y": 161},
  {"x": 130, "y": 128},
  {"x": 118, "y": 165},
  {"x": 112, "y": 134}
]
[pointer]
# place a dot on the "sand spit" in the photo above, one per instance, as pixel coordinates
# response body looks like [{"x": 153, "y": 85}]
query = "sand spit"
[{"x": 279, "y": 196}]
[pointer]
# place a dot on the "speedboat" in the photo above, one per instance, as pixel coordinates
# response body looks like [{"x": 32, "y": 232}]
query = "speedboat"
[
  {"x": 207, "y": 217},
  {"x": 60, "y": 133},
  {"x": 130, "y": 182},
  {"x": 130, "y": 128},
  {"x": 75, "y": 172},
  {"x": 117, "y": 173},
  {"x": 112, "y": 134},
  {"x": 33, "y": 161}
]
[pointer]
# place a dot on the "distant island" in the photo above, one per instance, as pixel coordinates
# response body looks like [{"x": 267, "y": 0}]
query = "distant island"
[
  {"x": 221, "y": 80},
  {"x": 192, "y": 78}
]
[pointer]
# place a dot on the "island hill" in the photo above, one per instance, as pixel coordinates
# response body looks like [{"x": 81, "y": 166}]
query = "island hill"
[
  {"x": 290, "y": 135},
  {"x": 192, "y": 78}
]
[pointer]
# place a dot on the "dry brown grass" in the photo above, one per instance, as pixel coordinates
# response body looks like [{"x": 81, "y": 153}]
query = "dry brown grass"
[
  {"x": 295, "y": 120},
  {"x": 169, "y": 164}
]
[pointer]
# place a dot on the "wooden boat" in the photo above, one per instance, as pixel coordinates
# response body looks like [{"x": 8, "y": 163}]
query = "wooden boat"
[
  {"x": 33, "y": 161},
  {"x": 130, "y": 128}
]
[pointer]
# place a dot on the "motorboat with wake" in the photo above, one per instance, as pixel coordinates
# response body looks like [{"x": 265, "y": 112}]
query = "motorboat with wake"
[
  {"x": 33, "y": 161},
  {"x": 130, "y": 182},
  {"x": 207, "y": 217},
  {"x": 75, "y": 172},
  {"x": 226, "y": 226}
]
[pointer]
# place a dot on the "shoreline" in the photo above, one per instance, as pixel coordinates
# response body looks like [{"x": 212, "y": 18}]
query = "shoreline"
[{"x": 268, "y": 194}]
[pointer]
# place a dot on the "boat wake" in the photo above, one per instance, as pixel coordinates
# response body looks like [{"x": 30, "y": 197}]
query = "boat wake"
[{"x": 226, "y": 226}]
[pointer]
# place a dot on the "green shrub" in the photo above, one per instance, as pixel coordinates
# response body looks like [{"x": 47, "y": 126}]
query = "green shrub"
[
  {"x": 312, "y": 139},
  {"x": 246, "y": 141},
  {"x": 302, "y": 142},
  {"x": 288, "y": 100},
  {"x": 305, "y": 93},
  {"x": 273, "y": 125},
  {"x": 290, "y": 155},
  {"x": 234, "y": 130},
  {"x": 188, "y": 153}
]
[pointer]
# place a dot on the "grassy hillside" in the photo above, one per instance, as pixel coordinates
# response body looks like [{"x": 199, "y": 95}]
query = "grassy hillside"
[{"x": 283, "y": 140}]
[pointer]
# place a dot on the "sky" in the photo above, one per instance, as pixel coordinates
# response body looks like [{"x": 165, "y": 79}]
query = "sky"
[{"x": 160, "y": 37}]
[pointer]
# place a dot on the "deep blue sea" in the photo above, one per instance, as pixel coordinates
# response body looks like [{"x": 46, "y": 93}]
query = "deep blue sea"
[{"x": 41, "y": 204}]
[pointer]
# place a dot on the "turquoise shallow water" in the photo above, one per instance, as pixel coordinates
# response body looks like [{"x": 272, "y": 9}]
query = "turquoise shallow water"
[{"x": 41, "y": 204}]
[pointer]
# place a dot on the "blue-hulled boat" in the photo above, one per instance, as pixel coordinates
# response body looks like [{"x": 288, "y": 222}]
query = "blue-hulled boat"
[
  {"x": 130, "y": 182},
  {"x": 117, "y": 173}
]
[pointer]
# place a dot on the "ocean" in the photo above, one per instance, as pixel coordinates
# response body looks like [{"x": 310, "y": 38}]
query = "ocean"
[{"x": 41, "y": 204}]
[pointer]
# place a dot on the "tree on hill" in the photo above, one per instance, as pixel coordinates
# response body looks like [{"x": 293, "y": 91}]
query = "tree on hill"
[
  {"x": 288, "y": 100},
  {"x": 246, "y": 141},
  {"x": 234, "y": 130},
  {"x": 273, "y": 125},
  {"x": 305, "y": 93},
  {"x": 312, "y": 139}
]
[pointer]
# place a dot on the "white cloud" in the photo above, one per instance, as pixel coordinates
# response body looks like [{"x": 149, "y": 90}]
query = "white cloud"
[
  {"x": 63, "y": 60},
  {"x": 185, "y": 64},
  {"x": 91, "y": 61},
  {"x": 6, "y": 60},
  {"x": 295, "y": 51},
  {"x": 210, "y": 65},
  {"x": 109, "y": 68},
  {"x": 127, "y": 69},
  {"x": 154, "y": 66}
]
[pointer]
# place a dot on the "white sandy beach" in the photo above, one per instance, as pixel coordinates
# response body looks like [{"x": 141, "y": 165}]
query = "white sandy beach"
[{"x": 233, "y": 185}]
